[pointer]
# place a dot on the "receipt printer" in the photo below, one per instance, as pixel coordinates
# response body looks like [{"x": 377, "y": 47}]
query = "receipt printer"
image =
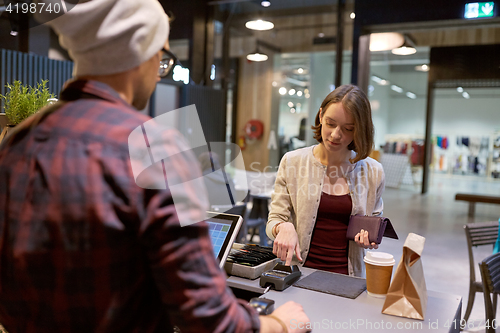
[{"x": 280, "y": 277}]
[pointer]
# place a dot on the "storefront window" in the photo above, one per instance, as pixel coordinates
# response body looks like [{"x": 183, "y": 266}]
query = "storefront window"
[{"x": 398, "y": 93}]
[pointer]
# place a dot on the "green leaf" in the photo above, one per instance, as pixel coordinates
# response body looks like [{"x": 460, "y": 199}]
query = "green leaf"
[{"x": 24, "y": 101}]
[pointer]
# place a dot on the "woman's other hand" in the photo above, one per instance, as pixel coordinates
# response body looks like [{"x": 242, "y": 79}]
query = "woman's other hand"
[
  {"x": 362, "y": 240},
  {"x": 286, "y": 243}
]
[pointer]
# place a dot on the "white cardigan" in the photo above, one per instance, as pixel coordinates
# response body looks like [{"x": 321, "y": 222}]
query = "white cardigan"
[{"x": 297, "y": 193}]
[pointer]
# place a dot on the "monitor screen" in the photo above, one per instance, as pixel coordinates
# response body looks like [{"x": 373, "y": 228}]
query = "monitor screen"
[{"x": 223, "y": 229}]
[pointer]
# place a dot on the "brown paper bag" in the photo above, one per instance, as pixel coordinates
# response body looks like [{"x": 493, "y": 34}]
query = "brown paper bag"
[{"x": 407, "y": 295}]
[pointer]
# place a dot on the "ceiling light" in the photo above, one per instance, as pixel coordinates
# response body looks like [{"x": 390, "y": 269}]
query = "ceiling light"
[
  {"x": 307, "y": 95},
  {"x": 466, "y": 95},
  {"x": 300, "y": 70},
  {"x": 380, "y": 81},
  {"x": 259, "y": 25},
  {"x": 290, "y": 104},
  {"x": 265, "y": 3},
  {"x": 292, "y": 110},
  {"x": 275, "y": 84},
  {"x": 422, "y": 68},
  {"x": 352, "y": 15},
  {"x": 321, "y": 35},
  {"x": 397, "y": 88},
  {"x": 460, "y": 89},
  {"x": 404, "y": 50},
  {"x": 299, "y": 93},
  {"x": 291, "y": 92},
  {"x": 385, "y": 41},
  {"x": 282, "y": 91},
  {"x": 411, "y": 95},
  {"x": 257, "y": 56},
  {"x": 299, "y": 105},
  {"x": 14, "y": 33},
  {"x": 306, "y": 91},
  {"x": 407, "y": 48}
]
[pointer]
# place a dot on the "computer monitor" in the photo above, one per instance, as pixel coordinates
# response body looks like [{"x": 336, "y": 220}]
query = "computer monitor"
[{"x": 223, "y": 230}]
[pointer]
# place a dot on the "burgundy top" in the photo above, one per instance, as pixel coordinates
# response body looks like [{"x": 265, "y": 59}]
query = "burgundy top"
[{"x": 329, "y": 245}]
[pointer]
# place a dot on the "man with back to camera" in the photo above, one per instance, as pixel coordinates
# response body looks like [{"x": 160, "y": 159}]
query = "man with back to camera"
[{"x": 82, "y": 247}]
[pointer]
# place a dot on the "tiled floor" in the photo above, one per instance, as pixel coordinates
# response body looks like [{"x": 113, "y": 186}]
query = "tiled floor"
[{"x": 440, "y": 219}]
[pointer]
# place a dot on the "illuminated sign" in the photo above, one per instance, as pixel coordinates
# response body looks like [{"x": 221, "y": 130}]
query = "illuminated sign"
[{"x": 479, "y": 10}]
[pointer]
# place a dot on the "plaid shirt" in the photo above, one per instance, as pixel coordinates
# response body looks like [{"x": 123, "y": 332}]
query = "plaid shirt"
[{"x": 84, "y": 249}]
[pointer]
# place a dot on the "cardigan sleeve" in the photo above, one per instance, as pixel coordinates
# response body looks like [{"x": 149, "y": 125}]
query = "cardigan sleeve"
[{"x": 281, "y": 203}]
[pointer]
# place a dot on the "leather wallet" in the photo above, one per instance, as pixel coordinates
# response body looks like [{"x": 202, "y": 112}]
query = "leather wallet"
[{"x": 377, "y": 227}]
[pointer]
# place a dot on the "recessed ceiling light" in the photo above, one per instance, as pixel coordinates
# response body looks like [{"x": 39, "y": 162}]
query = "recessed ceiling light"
[
  {"x": 300, "y": 70},
  {"x": 352, "y": 16},
  {"x": 299, "y": 93},
  {"x": 291, "y": 92},
  {"x": 411, "y": 95},
  {"x": 282, "y": 91},
  {"x": 380, "y": 81},
  {"x": 422, "y": 68},
  {"x": 397, "y": 88},
  {"x": 265, "y": 3}
]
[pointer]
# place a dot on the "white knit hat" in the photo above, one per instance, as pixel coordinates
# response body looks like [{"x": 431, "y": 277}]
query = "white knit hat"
[{"x": 110, "y": 36}]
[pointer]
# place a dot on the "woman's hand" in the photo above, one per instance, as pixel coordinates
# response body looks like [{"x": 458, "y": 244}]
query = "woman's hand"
[
  {"x": 286, "y": 243},
  {"x": 362, "y": 240}
]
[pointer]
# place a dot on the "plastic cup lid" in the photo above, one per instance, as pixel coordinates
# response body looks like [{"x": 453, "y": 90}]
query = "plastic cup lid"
[{"x": 379, "y": 258}]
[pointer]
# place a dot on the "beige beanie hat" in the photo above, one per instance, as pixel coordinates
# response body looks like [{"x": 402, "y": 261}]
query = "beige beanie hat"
[{"x": 110, "y": 36}]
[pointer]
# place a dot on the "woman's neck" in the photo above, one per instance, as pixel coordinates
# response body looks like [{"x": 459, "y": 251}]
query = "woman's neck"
[{"x": 332, "y": 159}]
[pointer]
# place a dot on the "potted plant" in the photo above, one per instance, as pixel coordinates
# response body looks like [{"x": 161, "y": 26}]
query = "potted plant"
[{"x": 21, "y": 101}]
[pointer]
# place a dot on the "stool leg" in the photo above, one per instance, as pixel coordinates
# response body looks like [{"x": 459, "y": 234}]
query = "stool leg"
[
  {"x": 495, "y": 295},
  {"x": 470, "y": 302},
  {"x": 472, "y": 208},
  {"x": 262, "y": 234}
]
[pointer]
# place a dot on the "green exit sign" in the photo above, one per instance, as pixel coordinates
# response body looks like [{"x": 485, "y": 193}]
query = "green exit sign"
[{"x": 479, "y": 9}]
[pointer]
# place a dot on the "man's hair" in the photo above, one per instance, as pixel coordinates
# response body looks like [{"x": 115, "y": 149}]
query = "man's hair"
[{"x": 356, "y": 104}]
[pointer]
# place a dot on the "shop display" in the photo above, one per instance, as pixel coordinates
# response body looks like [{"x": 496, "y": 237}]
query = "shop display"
[
  {"x": 463, "y": 155},
  {"x": 495, "y": 156},
  {"x": 403, "y": 159}
]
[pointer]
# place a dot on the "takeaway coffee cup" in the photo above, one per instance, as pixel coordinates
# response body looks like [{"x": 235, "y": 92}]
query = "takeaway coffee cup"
[{"x": 378, "y": 273}]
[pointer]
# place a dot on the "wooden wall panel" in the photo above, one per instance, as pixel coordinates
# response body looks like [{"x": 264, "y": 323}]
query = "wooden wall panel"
[
  {"x": 458, "y": 36},
  {"x": 254, "y": 102}
]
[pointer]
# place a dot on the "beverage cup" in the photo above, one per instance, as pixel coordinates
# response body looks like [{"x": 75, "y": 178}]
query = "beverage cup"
[{"x": 378, "y": 273}]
